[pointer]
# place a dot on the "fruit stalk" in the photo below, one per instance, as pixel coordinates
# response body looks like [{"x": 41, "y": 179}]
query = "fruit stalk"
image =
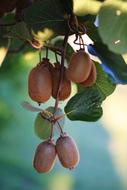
[
  {"x": 63, "y": 52},
  {"x": 54, "y": 49}
]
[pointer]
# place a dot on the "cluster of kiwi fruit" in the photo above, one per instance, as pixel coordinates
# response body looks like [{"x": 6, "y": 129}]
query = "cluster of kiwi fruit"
[
  {"x": 47, "y": 151},
  {"x": 43, "y": 82},
  {"x": 44, "y": 79},
  {"x": 81, "y": 69}
]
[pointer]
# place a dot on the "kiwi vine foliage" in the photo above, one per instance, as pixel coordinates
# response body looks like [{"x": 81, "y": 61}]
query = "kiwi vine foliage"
[
  {"x": 109, "y": 47},
  {"x": 44, "y": 19}
]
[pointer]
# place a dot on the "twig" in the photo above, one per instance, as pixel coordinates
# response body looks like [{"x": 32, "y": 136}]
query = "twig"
[{"x": 63, "y": 52}]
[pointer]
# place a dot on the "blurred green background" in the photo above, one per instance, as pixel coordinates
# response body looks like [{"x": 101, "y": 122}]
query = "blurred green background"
[{"x": 102, "y": 145}]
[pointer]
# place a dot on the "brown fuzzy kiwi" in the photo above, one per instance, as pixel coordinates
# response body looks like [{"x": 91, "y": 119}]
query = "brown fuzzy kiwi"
[
  {"x": 40, "y": 82},
  {"x": 44, "y": 157},
  {"x": 66, "y": 84},
  {"x": 91, "y": 78},
  {"x": 67, "y": 151},
  {"x": 79, "y": 67}
]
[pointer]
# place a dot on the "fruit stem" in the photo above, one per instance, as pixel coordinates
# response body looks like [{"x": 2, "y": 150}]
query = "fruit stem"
[
  {"x": 63, "y": 52},
  {"x": 54, "y": 49},
  {"x": 40, "y": 58},
  {"x": 56, "y": 58},
  {"x": 44, "y": 117},
  {"x": 51, "y": 135},
  {"x": 61, "y": 130},
  {"x": 46, "y": 52}
]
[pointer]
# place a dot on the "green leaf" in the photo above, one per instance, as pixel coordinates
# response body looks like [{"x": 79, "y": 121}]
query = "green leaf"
[
  {"x": 7, "y": 6},
  {"x": 3, "y": 49},
  {"x": 84, "y": 7},
  {"x": 112, "y": 63},
  {"x": 47, "y": 15},
  {"x": 20, "y": 31},
  {"x": 7, "y": 18},
  {"x": 92, "y": 31},
  {"x": 4, "y": 44},
  {"x": 88, "y": 17},
  {"x": 103, "y": 82},
  {"x": 68, "y": 6},
  {"x": 113, "y": 25},
  {"x": 86, "y": 105}
]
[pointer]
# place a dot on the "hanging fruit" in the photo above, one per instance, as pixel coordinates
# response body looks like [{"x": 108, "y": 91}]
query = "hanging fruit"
[
  {"x": 65, "y": 90},
  {"x": 40, "y": 82},
  {"x": 44, "y": 157},
  {"x": 91, "y": 78},
  {"x": 67, "y": 151},
  {"x": 79, "y": 67}
]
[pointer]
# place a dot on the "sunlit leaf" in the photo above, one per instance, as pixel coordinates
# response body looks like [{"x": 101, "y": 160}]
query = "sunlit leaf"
[
  {"x": 4, "y": 45},
  {"x": 47, "y": 15},
  {"x": 84, "y": 7},
  {"x": 44, "y": 35},
  {"x": 113, "y": 25}
]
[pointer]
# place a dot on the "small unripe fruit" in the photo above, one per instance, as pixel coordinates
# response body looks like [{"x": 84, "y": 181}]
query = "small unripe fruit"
[
  {"x": 59, "y": 115},
  {"x": 44, "y": 157},
  {"x": 42, "y": 127},
  {"x": 67, "y": 151},
  {"x": 79, "y": 67},
  {"x": 40, "y": 82},
  {"x": 66, "y": 84},
  {"x": 91, "y": 78}
]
